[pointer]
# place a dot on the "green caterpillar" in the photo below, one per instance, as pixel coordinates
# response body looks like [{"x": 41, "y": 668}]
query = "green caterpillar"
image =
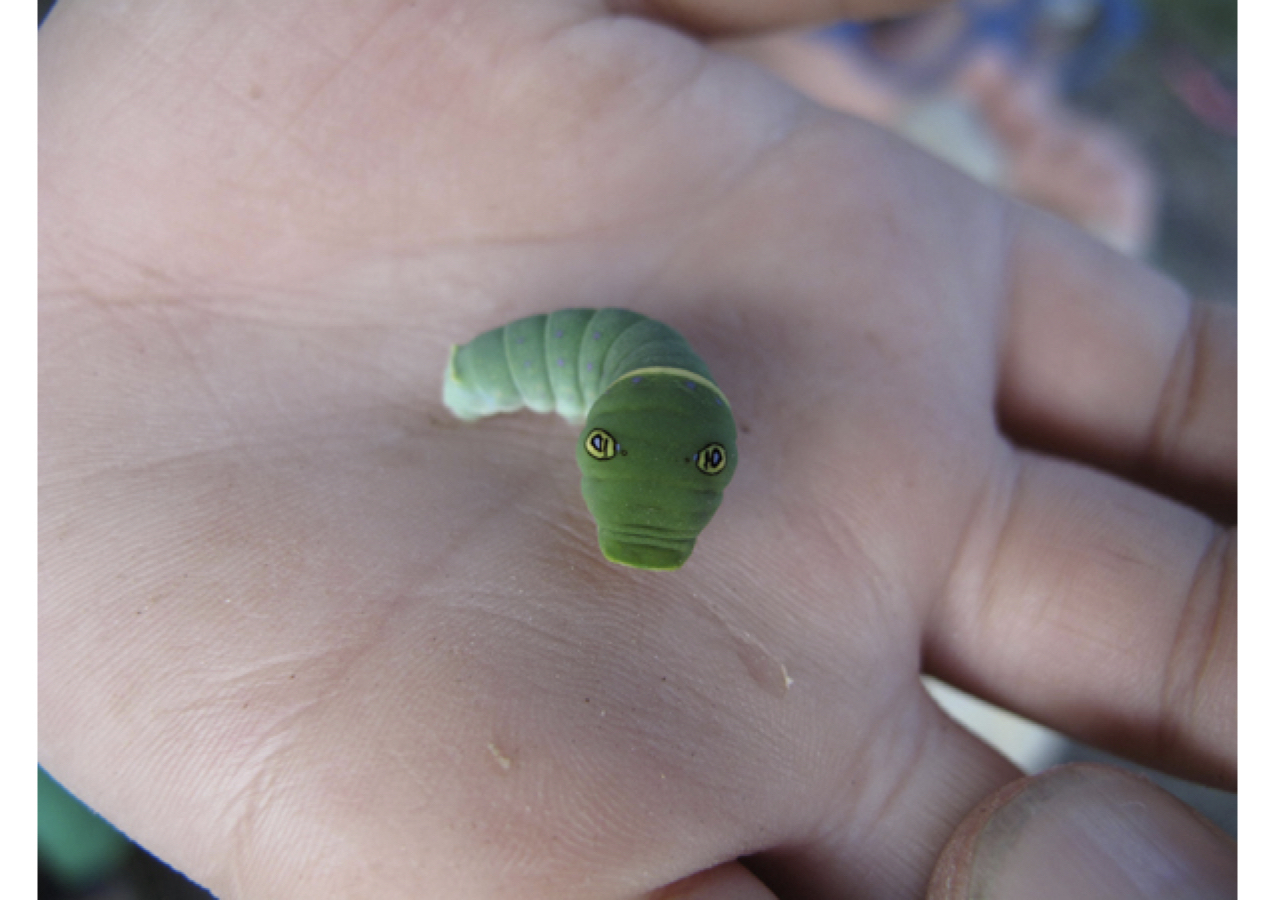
[{"x": 658, "y": 445}]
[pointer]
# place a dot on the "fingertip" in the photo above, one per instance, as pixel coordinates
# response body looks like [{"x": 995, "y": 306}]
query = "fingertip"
[
  {"x": 951, "y": 878},
  {"x": 1084, "y": 831},
  {"x": 720, "y": 17},
  {"x": 988, "y": 72}
]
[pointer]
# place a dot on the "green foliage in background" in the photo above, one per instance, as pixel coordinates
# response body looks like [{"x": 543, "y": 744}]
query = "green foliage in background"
[
  {"x": 1206, "y": 26},
  {"x": 77, "y": 846}
]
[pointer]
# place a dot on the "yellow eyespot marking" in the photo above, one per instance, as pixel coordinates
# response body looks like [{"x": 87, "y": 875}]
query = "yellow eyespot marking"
[
  {"x": 599, "y": 444},
  {"x": 711, "y": 460}
]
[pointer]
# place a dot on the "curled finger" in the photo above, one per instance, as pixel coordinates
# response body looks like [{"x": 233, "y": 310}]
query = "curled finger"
[{"x": 1085, "y": 831}]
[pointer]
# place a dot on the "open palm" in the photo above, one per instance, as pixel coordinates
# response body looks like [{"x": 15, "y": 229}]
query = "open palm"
[{"x": 304, "y": 634}]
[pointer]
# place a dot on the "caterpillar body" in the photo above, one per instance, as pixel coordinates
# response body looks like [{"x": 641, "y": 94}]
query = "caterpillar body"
[{"x": 658, "y": 444}]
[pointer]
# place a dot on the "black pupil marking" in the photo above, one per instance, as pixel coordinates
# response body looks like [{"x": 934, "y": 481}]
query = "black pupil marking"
[{"x": 711, "y": 460}]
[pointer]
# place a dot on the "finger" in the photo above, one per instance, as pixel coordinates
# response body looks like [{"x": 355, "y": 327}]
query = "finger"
[
  {"x": 1110, "y": 362},
  {"x": 924, "y": 774},
  {"x": 1012, "y": 102},
  {"x": 1101, "y": 609},
  {"x": 729, "y": 881},
  {"x": 736, "y": 16},
  {"x": 1085, "y": 831}
]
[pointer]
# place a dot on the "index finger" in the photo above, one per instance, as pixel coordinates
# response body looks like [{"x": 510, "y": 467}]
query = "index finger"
[
  {"x": 1110, "y": 362},
  {"x": 1079, "y": 599}
]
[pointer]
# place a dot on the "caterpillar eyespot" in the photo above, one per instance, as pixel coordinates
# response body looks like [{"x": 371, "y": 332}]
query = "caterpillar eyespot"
[
  {"x": 711, "y": 460},
  {"x": 621, "y": 373},
  {"x": 599, "y": 444}
]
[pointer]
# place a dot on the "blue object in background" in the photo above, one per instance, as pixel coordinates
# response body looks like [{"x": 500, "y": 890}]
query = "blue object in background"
[
  {"x": 924, "y": 50},
  {"x": 1118, "y": 25}
]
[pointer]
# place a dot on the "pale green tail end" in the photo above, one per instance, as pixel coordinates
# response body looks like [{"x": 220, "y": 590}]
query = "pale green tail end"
[
  {"x": 527, "y": 364},
  {"x": 477, "y": 382},
  {"x": 464, "y": 403}
]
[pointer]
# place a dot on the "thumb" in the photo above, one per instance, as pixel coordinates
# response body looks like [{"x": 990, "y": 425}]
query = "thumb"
[{"x": 1084, "y": 831}]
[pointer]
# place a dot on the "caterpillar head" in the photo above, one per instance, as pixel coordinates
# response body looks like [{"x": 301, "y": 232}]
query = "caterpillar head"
[{"x": 657, "y": 450}]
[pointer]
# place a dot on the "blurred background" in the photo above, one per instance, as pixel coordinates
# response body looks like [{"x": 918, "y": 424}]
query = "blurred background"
[
  {"x": 1120, "y": 115},
  {"x": 1174, "y": 94}
]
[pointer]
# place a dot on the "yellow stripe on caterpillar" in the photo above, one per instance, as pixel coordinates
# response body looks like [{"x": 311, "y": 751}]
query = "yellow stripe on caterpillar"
[{"x": 676, "y": 373}]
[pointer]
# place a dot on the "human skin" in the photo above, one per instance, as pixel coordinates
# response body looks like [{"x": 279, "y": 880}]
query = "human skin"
[
  {"x": 1045, "y": 153},
  {"x": 303, "y": 634}
]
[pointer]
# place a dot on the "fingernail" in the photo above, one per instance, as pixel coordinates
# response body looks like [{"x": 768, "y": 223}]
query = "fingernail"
[{"x": 1098, "y": 832}]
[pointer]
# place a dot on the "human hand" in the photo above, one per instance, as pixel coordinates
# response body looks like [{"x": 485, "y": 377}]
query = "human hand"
[
  {"x": 1059, "y": 159},
  {"x": 303, "y": 634},
  {"x": 1000, "y": 121}
]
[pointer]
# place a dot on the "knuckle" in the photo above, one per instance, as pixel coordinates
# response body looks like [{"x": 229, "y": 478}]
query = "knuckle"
[{"x": 1198, "y": 701}]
